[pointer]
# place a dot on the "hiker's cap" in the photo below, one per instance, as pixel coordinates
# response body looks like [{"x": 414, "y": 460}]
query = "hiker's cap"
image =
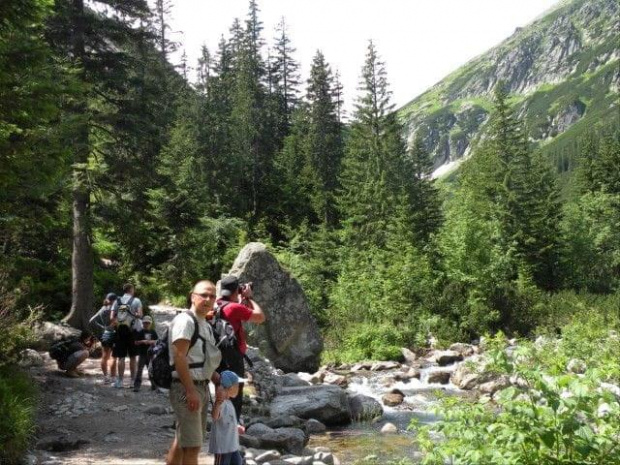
[
  {"x": 110, "y": 297},
  {"x": 147, "y": 319},
  {"x": 229, "y": 378},
  {"x": 228, "y": 285}
]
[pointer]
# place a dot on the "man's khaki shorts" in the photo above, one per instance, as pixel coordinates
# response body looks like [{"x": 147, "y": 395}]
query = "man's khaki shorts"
[{"x": 191, "y": 426}]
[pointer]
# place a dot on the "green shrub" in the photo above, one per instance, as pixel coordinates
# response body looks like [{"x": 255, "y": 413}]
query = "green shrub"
[
  {"x": 566, "y": 419},
  {"x": 17, "y": 414}
]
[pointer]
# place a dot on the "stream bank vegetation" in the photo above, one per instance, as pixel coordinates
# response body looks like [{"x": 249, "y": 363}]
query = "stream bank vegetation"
[{"x": 118, "y": 166}]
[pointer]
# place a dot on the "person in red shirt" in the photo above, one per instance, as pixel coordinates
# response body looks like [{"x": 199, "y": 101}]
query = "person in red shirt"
[{"x": 237, "y": 306}]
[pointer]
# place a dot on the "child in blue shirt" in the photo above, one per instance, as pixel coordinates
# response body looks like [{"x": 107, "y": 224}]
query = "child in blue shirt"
[{"x": 224, "y": 437}]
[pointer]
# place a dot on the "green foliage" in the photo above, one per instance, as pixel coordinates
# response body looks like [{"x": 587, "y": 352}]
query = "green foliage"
[
  {"x": 563, "y": 418},
  {"x": 18, "y": 397}
]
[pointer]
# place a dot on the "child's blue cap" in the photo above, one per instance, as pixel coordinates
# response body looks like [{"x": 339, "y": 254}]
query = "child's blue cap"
[{"x": 229, "y": 378}]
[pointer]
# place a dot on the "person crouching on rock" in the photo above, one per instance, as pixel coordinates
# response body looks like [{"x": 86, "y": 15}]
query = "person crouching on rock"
[
  {"x": 71, "y": 352},
  {"x": 224, "y": 437}
]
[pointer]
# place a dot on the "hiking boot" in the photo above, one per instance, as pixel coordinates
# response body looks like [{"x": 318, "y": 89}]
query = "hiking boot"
[
  {"x": 107, "y": 379},
  {"x": 118, "y": 384}
]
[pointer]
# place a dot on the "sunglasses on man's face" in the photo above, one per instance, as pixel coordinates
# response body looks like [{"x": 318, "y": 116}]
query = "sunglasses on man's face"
[{"x": 206, "y": 295}]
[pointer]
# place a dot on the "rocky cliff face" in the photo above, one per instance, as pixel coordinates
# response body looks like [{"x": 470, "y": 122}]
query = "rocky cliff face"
[{"x": 560, "y": 70}]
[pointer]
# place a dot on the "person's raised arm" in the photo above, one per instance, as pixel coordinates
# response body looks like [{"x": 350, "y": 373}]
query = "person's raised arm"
[{"x": 258, "y": 316}]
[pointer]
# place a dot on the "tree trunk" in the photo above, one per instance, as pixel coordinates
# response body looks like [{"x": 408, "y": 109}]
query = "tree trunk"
[{"x": 82, "y": 259}]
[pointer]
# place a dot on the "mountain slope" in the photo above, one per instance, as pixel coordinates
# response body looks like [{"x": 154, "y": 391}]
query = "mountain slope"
[{"x": 562, "y": 71}]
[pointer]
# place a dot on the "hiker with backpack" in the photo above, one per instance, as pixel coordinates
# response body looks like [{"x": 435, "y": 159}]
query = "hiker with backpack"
[
  {"x": 144, "y": 339},
  {"x": 104, "y": 332},
  {"x": 236, "y": 306},
  {"x": 125, "y": 317},
  {"x": 71, "y": 352},
  {"x": 194, "y": 357}
]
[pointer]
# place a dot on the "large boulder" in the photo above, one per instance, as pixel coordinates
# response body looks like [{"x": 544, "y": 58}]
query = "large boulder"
[
  {"x": 326, "y": 403},
  {"x": 46, "y": 333},
  {"x": 291, "y": 440},
  {"x": 290, "y": 336}
]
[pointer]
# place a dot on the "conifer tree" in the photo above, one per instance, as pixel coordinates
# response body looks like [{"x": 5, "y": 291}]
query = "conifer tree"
[
  {"x": 284, "y": 77},
  {"x": 33, "y": 162},
  {"x": 101, "y": 44},
  {"x": 424, "y": 196},
  {"x": 375, "y": 174},
  {"x": 323, "y": 142}
]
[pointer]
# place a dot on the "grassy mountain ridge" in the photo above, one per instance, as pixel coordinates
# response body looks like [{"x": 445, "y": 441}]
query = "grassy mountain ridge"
[{"x": 562, "y": 72}]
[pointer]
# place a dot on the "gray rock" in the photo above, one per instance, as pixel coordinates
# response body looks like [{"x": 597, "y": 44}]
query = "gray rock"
[
  {"x": 316, "y": 378},
  {"x": 30, "y": 358},
  {"x": 576, "y": 366},
  {"x": 392, "y": 399},
  {"x": 361, "y": 366},
  {"x": 497, "y": 384},
  {"x": 300, "y": 460},
  {"x": 156, "y": 410},
  {"x": 389, "y": 428},
  {"x": 313, "y": 426},
  {"x": 291, "y": 440},
  {"x": 268, "y": 456},
  {"x": 439, "y": 377},
  {"x": 364, "y": 408},
  {"x": 246, "y": 440},
  {"x": 464, "y": 350},
  {"x": 290, "y": 336},
  {"x": 46, "y": 333},
  {"x": 292, "y": 380},
  {"x": 384, "y": 366},
  {"x": 447, "y": 357},
  {"x": 324, "y": 457},
  {"x": 328, "y": 404},
  {"x": 408, "y": 355},
  {"x": 336, "y": 380},
  {"x": 284, "y": 421}
]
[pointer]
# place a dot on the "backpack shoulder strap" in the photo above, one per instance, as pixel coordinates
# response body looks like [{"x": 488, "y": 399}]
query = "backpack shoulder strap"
[
  {"x": 220, "y": 307},
  {"x": 196, "y": 333}
]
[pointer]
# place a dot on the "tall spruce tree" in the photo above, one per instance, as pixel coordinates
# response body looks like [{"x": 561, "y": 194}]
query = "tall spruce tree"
[
  {"x": 33, "y": 162},
  {"x": 284, "y": 79},
  {"x": 424, "y": 196},
  {"x": 375, "y": 174},
  {"x": 101, "y": 46},
  {"x": 324, "y": 147}
]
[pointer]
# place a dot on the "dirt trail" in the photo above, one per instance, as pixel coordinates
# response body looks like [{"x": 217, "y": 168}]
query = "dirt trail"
[{"x": 82, "y": 421}]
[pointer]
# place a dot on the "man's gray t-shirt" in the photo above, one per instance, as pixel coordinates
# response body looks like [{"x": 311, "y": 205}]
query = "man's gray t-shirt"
[
  {"x": 224, "y": 437},
  {"x": 182, "y": 327}
]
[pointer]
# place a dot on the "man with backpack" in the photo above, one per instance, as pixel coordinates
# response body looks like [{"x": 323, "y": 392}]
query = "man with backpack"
[
  {"x": 125, "y": 317},
  {"x": 194, "y": 358},
  {"x": 71, "y": 352},
  {"x": 236, "y": 305}
]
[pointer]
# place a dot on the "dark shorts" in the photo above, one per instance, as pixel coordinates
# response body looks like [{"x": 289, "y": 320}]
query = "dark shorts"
[
  {"x": 124, "y": 344},
  {"x": 232, "y": 458}
]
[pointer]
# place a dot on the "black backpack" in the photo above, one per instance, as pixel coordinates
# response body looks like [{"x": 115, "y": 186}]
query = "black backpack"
[
  {"x": 160, "y": 370},
  {"x": 59, "y": 350},
  {"x": 223, "y": 331}
]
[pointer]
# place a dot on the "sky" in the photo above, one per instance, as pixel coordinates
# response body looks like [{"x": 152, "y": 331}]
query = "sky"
[{"x": 420, "y": 41}]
